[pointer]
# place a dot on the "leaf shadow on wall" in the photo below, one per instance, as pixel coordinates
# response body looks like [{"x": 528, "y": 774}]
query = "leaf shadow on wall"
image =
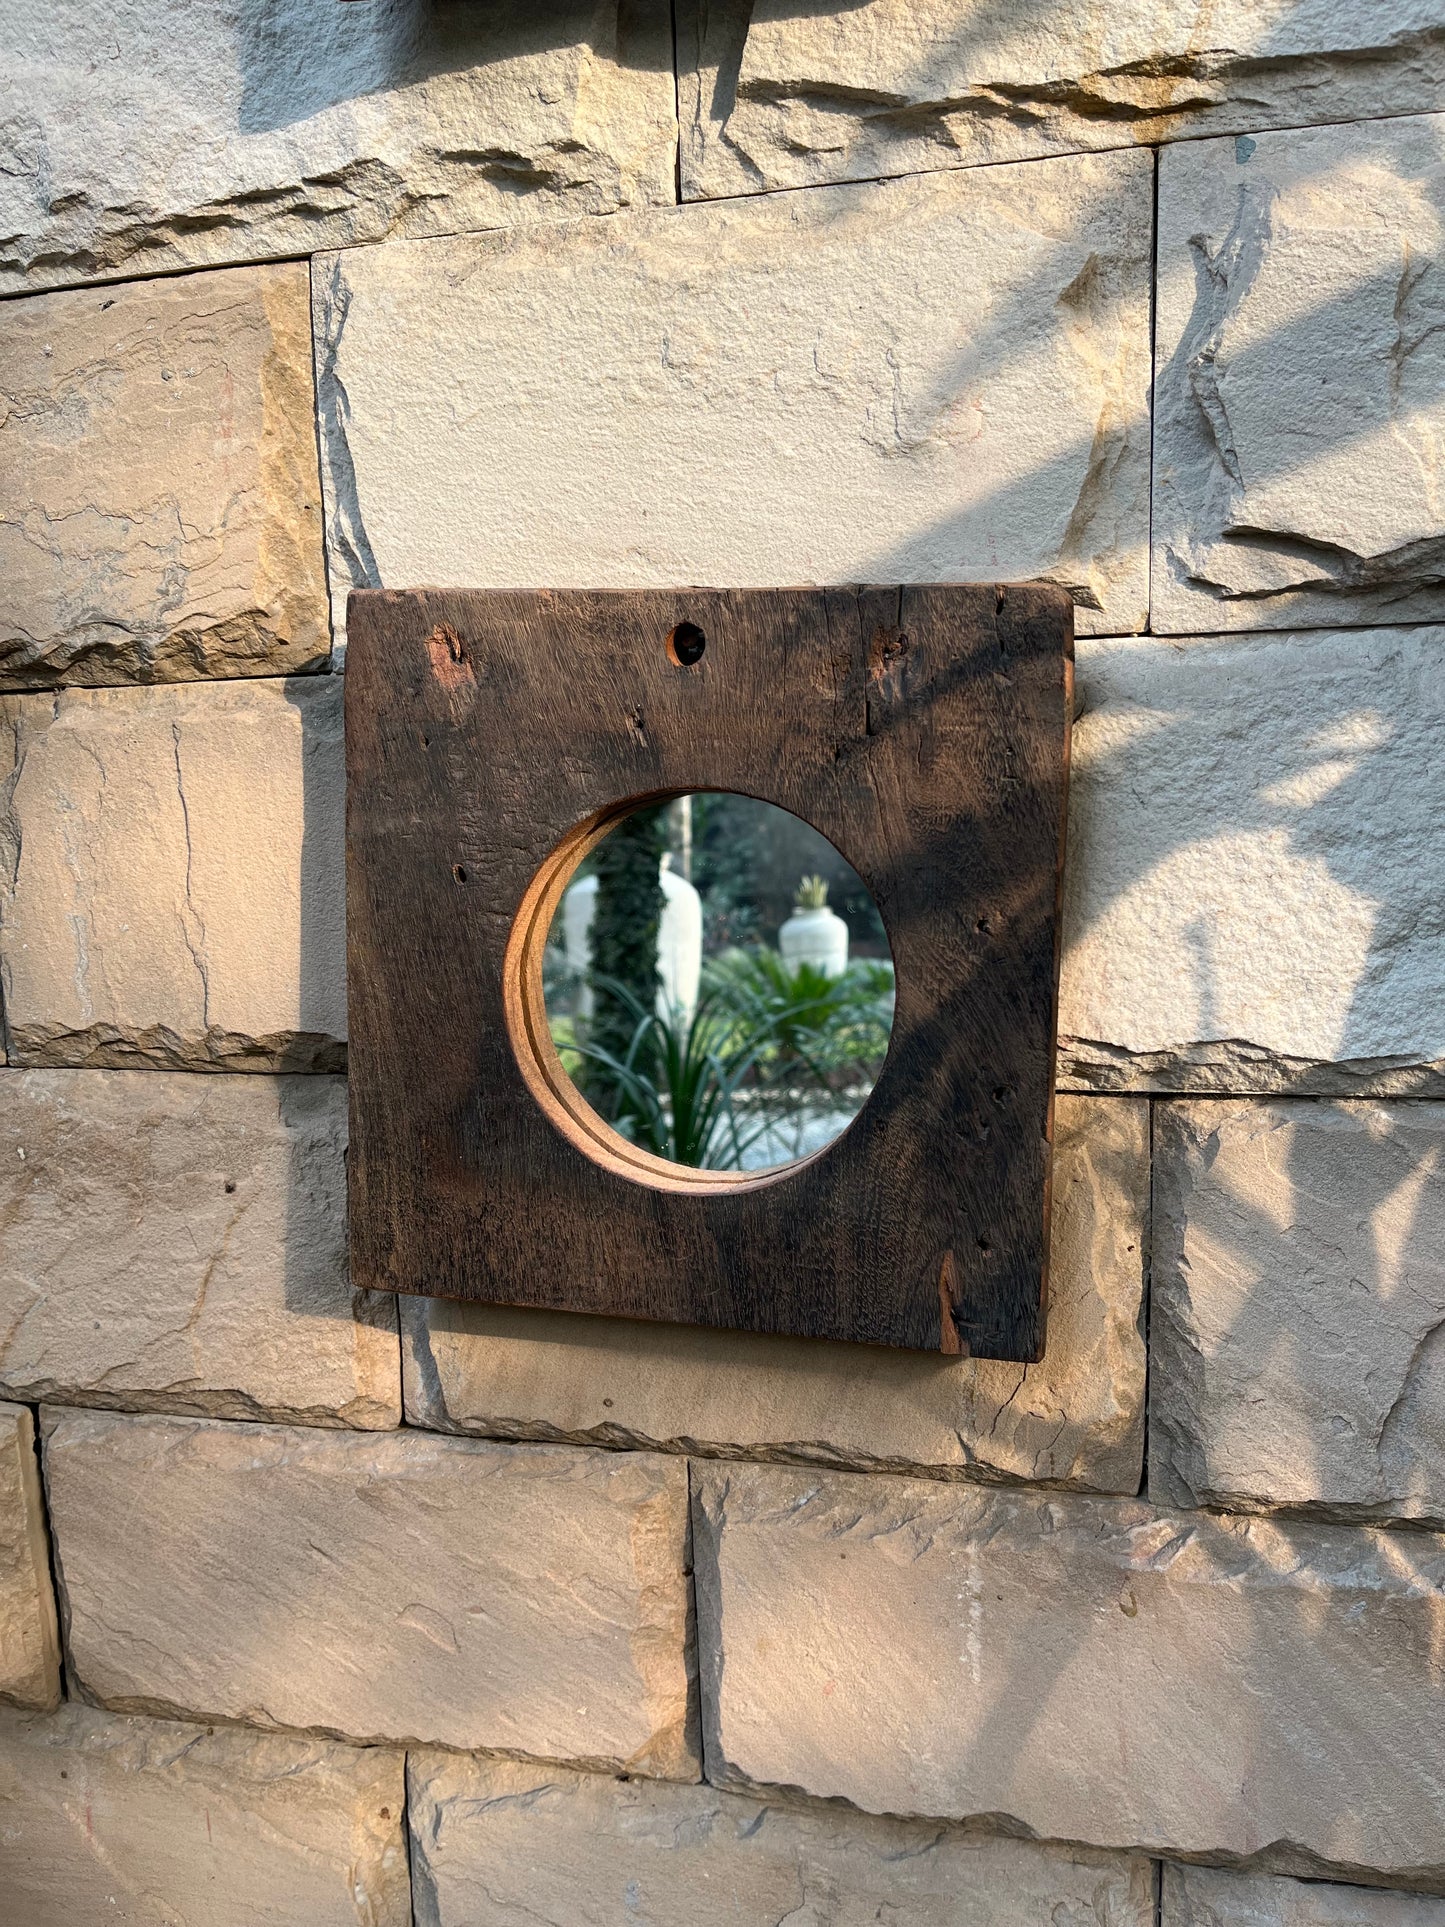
[
  {"x": 297, "y": 59},
  {"x": 1304, "y": 800}
]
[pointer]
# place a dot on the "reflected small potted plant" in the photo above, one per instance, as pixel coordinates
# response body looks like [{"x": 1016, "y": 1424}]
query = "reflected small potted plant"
[{"x": 814, "y": 934}]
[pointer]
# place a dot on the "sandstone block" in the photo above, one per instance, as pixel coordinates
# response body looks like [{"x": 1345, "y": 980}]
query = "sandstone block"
[
  {"x": 1074, "y": 1418},
  {"x": 1297, "y": 1331},
  {"x": 1251, "y": 900},
  {"x": 153, "y": 139},
  {"x": 171, "y": 887},
  {"x": 385, "y": 1586},
  {"x": 494, "y": 1843},
  {"x": 139, "y": 1821},
  {"x": 752, "y": 393},
  {"x": 163, "y": 509},
  {"x": 1301, "y": 378},
  {"x": 1216, "y": 1897},
  {"x": 774, "y": 95},
  {"x": 179, "y": 1243},
  {"x": 29, "y": 1647},
  {"x": 1087, "y": 1669}
]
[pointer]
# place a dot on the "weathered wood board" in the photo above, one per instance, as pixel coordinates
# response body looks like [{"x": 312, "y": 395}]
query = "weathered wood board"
[{"x": 924, "y": 731}]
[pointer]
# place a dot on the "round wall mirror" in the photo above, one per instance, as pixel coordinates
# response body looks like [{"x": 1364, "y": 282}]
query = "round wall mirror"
[{"x": 717, "y": 986}]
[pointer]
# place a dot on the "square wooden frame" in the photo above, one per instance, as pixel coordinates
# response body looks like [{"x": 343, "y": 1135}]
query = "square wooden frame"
[{"x": 490, "y": 735}]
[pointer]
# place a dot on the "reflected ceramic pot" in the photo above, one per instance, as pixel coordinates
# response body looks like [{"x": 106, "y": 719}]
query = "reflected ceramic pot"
[{"x": 818, "y": 937}]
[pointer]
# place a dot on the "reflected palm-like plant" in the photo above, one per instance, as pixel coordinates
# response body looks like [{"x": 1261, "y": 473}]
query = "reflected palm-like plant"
[
  {"x": 815, "y": 1024},
  {"x": 673, "y": 1088},
  {"x": 760, "y": 1031}
]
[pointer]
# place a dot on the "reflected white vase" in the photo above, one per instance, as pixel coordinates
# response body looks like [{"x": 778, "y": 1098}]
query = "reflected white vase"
[
  {"x": 817, "y": 937},
  {"x": 679, "y": 941}
]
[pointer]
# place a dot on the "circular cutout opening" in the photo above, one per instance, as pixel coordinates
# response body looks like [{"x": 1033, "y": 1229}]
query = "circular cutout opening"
[
  {"x": 700, "y": 990},
  {"x": 685, "y": 645}
]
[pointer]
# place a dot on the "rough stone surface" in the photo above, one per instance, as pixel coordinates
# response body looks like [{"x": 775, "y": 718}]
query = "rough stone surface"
[
  {"x": 162, "y": 516},
  {"x": 1300, "y": 446},
  {"x": 29, "y": 1647},
  {"x": 494, "y": 1843},
  {"x": 1216, "y": 1897},
  {"x": 1297, "y": 1332},
  {"x": 777, "y": 95},
  {"x": 171, "y": 885},
  {"x": 752, "y": 393},
  {"x": 1254, "y": 848},
  {"x": 1074, "y": 1418},
  {"x": 1087, "y": 1669},
  {"x": 179, "y": 1243},
  {"x": 160, "y": 134},
  {"x": 392, "y": 1586},
  {"x": 139, "y": 1822}
]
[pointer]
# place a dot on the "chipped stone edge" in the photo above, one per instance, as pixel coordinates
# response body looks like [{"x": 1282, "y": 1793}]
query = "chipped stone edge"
[
  {"x": 364, "y": 1412},
  {"x": 41, "y": 1046},
  {"x": 1235, "y": 1067},
  {"x": 712, "y": 167}
]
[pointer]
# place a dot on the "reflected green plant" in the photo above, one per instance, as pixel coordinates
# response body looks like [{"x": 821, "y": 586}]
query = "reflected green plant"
[{"x": 672, "y": 1090}]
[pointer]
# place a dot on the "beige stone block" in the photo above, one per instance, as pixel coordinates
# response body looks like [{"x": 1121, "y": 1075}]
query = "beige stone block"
[
  {"x": 1082, "y": 1669},
  {"x": 381, "y": 1586},
  {"x": 753, "y": 393},
  {"x": 494, "y": 1843},
  {"x": 1075, "y": 1418},
  {"x": 777, "y": 95},
  {"x": 1301, "y": 377},
  {"x": 1218, "y": 1897},
  {"x": 1251, "y": 901},
  {"x": 1297, "y": 1327},
  {"x": 162, "y": 514},
  {"x": 179, "y": 1243},
  {"x": 142, "y": 1822},
  {"x": 171, "y": 880},
  {"x": 29, "y": 1646},
  {"x": 158, "y": 136}
]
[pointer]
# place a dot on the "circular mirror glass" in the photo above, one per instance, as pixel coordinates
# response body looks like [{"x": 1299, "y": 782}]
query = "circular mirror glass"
[{"x": 718, "y": 984}]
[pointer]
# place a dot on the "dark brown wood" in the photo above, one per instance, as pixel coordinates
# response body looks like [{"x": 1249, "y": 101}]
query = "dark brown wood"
[{"x": 924, "y": 731}]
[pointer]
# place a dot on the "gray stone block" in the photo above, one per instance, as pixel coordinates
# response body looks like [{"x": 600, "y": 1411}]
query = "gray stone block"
[
  {"x": 179, "y": 1243},
  {"x": 162, "y": 515},
  {"x": 142, "y": 1821},
  {"x": 1300, "y": 394},
  {"x": 1251, "y": 899},
  {"x": 1297, "y": 1328},
  {"x": 494, "y": 1843},
  {"x": 386, "y": 1586},
  {"x": 1082, "y": 1669},
  {"x": 180, "y": 899},
  {"x": 775, "y": 95},
  {"x": 752, "y": 393},
  {"x": 144, "y": 141}
]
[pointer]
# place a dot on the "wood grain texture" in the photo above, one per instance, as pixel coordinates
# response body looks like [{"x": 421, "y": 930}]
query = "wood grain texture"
[{"x": 924, "y": 731}]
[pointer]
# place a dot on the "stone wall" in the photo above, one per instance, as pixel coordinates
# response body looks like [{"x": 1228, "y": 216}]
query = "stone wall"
[{"x": 317, "y": 1608}]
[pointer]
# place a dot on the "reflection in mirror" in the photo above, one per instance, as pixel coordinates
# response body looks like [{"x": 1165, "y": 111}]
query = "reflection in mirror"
[{"x": 718, "y": 983}]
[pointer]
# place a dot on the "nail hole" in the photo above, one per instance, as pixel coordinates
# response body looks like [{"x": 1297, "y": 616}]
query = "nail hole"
[
  {"x": 230, "y": 1184},
  {"x": 982, "y": 924},
  {"x": 1000, "y": 1094},
  {"x": 984, "y": 1246},
  {"x": 459, "y": 871},
  {"x": 685, "y": 645}
]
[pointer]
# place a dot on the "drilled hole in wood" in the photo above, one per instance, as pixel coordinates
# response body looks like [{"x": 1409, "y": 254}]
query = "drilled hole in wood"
[{"x": 685, "y": 645}]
